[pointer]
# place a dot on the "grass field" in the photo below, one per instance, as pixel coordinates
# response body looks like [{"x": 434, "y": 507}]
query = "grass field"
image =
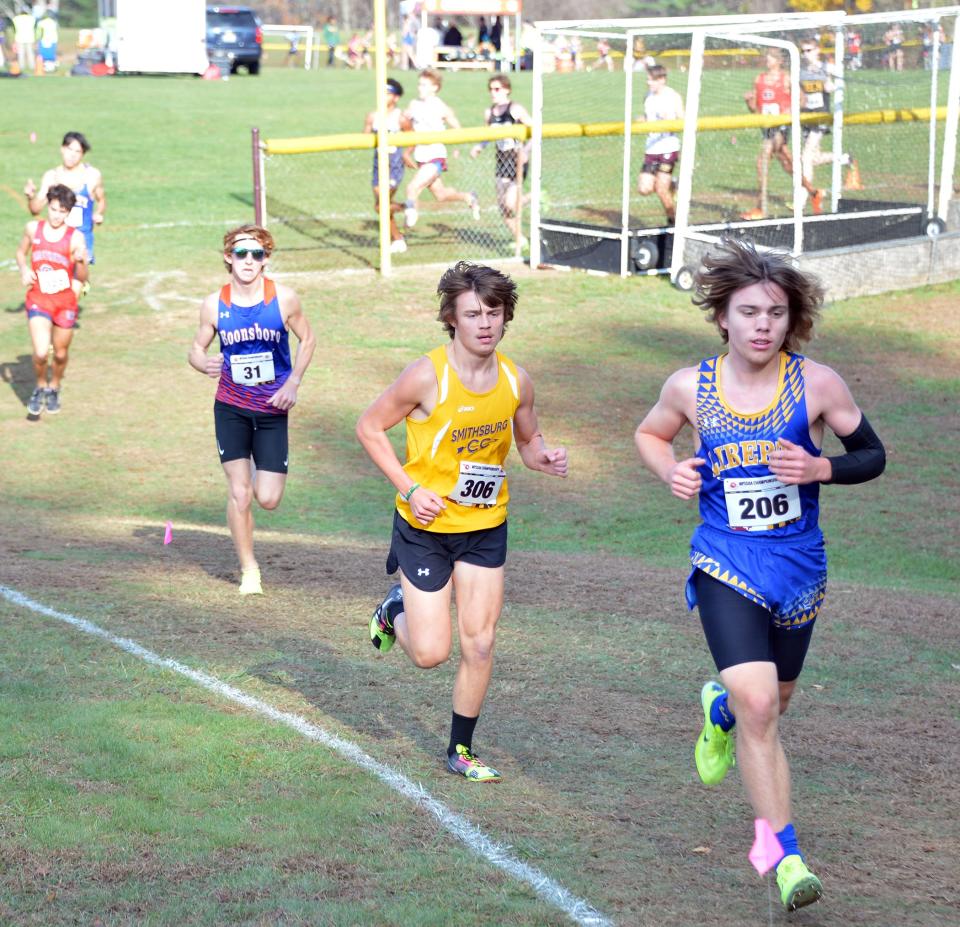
[{"x": 129, "y": 795}]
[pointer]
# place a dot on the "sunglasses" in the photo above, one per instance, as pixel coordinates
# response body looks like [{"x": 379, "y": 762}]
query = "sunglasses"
[{"x": 258, "y": 254}]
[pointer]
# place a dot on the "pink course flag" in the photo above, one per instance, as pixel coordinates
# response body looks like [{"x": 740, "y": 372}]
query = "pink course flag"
[
  {"x": 168, "y": 534},
  {"x": 766, "y": 851}
]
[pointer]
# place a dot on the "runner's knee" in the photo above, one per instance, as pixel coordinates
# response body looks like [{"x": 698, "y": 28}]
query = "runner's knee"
[
  {"x": 428, "y": 655},
  {"x": 241, "y": 497},
  {"x": 756, "y": 708},
  {"x": 478, "y": 648},
  {"x": 786, "y": 693},
  {"x": 269, "y": 499}
]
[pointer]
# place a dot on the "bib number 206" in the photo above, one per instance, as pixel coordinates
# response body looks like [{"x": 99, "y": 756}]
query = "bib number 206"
[
  {"x": 764, "y": 506},
  {"x": 761, "y": 502}
]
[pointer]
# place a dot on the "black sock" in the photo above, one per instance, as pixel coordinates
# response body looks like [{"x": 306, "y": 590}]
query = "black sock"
[{"x": 461, "y": 732}]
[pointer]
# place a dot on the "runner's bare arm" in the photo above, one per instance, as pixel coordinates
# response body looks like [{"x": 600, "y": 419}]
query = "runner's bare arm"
[
  {"x": 476, "y": 149},
  {"x": 37, "y": 198},
  {"x": 27, "y": 274},
  {"x": 292, "y": 313},
  {"x": 530, "y": 441},
  {"x": 206, "y": 332},
  {"x": 655, "y": 435},
  {"x": 415, "y": 388},
  {"x": 78, "y": 252},
  {"x": 450, "y": 117},
  {"x": 99, "y": 197}
]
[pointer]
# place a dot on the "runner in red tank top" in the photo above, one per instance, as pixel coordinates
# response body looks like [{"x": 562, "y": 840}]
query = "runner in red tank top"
[
  {"x": 770, "y": 96},
  {"x": 52, "y": 258}
]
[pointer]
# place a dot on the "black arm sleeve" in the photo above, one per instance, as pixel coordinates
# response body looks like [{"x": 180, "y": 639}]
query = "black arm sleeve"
[{"x": 865, "y": 457}]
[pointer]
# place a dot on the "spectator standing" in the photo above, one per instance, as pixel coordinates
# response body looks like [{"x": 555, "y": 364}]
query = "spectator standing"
[
  {"x": 331, "y": 38},
  {"x": 24, "y": 36},
  {"x": 408, "y": 42},
  {"x": 48, "y": 37},
  {"x": 496, "y": 33},
  {"x": 452, "y": 36}
]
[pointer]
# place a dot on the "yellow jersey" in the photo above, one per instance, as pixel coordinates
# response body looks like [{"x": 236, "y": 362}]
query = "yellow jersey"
[{"x": 458, "y": 452}]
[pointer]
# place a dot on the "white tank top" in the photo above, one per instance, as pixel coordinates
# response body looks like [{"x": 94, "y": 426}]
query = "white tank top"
[{"x": 427, "y": 116}]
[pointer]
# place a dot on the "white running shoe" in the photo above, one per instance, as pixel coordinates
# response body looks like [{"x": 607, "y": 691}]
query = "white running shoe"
[
  {"x": 398, "y": 246},
  {"x": 410, "y": 216}
]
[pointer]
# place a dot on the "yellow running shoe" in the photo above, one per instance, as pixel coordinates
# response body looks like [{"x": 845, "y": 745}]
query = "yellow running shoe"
[
  {"x": 798, "y": 885},
  {"x": 250, "y": 582},
  {"x": 464, "y": 763},
  {"x": 714, "y": 750}
]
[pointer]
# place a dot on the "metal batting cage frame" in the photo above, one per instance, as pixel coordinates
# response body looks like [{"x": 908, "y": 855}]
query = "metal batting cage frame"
[{"x": 584, "y": 209}]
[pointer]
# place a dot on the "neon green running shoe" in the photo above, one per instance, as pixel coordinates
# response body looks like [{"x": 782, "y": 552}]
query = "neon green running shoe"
[
  {"x": 714, "y": 750},
  {"x": 798, "y": 885},
  {"x": 382, "y": 635},
  {"x": 464, "y": 763}
]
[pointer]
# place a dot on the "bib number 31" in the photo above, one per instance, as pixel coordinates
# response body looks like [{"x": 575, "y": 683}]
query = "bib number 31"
[
  {"x": 479, "y": 484},
  {"x": 755, "y": 504},
  {"x": 251, "y": 369}
]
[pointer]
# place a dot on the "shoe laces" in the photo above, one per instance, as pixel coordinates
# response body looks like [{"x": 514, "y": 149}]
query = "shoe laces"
[{"x": 467, "y": 757}]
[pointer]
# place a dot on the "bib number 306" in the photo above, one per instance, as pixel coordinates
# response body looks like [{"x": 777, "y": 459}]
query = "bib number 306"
[
  {"x": 755, "y": 504},
  {"x": 479, "y": 484}
]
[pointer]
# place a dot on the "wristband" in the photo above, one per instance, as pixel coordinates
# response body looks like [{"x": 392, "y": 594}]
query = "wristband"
[{"x": 410, "y": 492}]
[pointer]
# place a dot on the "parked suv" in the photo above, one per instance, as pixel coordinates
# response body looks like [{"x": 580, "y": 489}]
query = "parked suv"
[{"x": 234, "y": 37}]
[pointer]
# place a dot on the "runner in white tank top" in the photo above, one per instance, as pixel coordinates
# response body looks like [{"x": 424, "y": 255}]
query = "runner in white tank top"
[{"x": 429, "y": 113}]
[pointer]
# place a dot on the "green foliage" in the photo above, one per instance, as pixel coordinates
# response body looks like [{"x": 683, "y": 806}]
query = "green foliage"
[
  {"x": 657, "y": 8},
  {"x": 79, "y": 14}
]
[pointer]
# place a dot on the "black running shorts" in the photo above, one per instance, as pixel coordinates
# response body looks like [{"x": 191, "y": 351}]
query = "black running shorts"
[
  {"x": 242, "y": 433},
  {"x": 740, "y": 631},
  {"x": 426, "y": 558}
]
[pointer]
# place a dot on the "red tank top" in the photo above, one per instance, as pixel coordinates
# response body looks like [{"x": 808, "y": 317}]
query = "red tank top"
[
  {"x": 773, "y": 94},
  {"x": 51, "y": 262}
]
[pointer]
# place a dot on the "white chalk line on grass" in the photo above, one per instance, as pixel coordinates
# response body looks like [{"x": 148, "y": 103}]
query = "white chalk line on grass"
[{"x": 468, "y": 833}]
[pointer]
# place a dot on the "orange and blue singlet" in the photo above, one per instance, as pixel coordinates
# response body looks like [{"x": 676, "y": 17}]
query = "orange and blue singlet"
[{"x": 254, "y": 342}]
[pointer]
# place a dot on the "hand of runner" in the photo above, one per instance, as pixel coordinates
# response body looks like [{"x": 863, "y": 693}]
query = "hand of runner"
[
  {"x": 791, "y": 464},
  {"x": 684, "y": 480},
  {"x": 213, "y": 366},
  {"x": 425, "y": 505},
  {"x": 284, "y": 398},
  {"x": 554, "y": 461},
  {"x": 30, "y": 188}
]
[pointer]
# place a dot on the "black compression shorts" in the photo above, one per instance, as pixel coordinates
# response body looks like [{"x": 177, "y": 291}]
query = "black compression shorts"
[{"x": 740, "y": 631}]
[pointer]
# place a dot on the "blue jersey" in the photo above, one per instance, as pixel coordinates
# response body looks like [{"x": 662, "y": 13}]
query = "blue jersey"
[
  {"x": 758, "y": 536},
  {"x": 81, "y": 216},
  {"x": 256, "y": 351},
  {"x": 739, "y": 493}
]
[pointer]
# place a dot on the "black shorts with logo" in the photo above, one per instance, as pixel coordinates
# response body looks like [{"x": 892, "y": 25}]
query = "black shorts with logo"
[
  {"x": 426, "y": 558},
  {"x": 242, "y": 433}
]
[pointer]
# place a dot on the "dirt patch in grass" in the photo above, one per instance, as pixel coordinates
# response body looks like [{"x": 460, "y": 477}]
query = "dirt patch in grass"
[{"x": 591, "y": 714}]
